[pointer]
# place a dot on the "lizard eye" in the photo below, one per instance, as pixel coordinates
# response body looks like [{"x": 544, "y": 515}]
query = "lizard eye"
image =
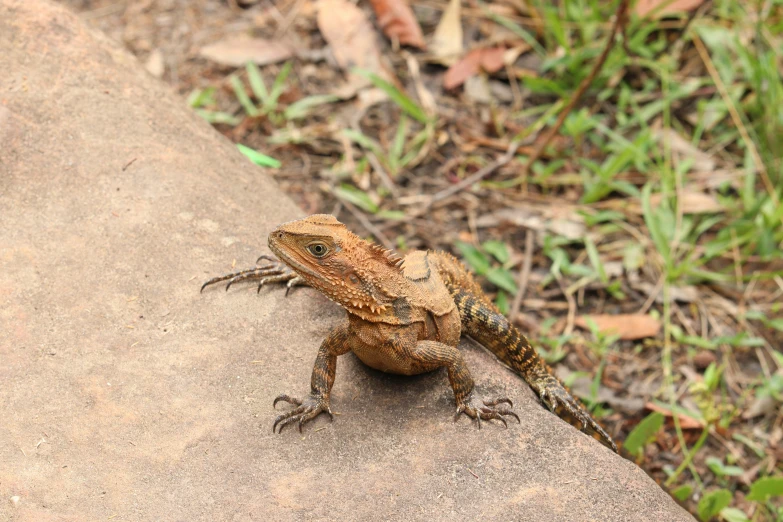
[{"x": 318, "y": 249}]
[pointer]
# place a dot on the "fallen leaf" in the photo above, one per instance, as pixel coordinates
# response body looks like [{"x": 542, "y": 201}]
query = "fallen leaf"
[
  {"x": 683, "y": 149},
  {"x": 447, "y": 41},
  {"x": 686, "y": 421},
  {"x": 684, "y": 294},
  {"x": 477, "y": 90},
  {"x": 237, "y": 51},
  {"x": 628, "y": 326},
  {"x": 511, "y": 55},
  {"x": 692, "y": 202},
  {"x": 644, "y": 7},
  {"x": 763, "y": 405},
  {"x": 398, "y": 22},
  {"x": 490, "y": 59},
  {"x": 352, "y": 39},
  {"x": 425, "y": 96},
  {"x": 562, "y": 222}
]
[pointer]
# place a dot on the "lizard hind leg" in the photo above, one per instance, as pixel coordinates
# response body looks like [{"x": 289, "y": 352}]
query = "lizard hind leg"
[
  {"x": 482, "y": 321},
  {"x": 432, "y": 354}
]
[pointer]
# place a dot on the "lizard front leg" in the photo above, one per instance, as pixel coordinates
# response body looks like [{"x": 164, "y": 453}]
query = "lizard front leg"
[
  {"x": 336, "y": 343},
  {"x": 272, "y": 272},
  {"x": 432, "y": 354}
]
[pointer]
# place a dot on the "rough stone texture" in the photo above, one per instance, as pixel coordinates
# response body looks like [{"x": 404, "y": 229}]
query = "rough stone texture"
[{"x": 126, "y": 395}]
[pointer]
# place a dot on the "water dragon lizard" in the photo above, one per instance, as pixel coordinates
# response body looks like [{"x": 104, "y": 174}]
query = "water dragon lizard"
[{"x": 405, "y": 316}]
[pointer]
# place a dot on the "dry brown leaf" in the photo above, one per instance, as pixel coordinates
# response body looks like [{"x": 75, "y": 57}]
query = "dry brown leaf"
[
  {"x": 353, "y": 41},
  {"x": 492, "y": 59},
  {"x": 237, "y": 51},
  {"x": 489, "y": 59},
  {"x": 763, "y": 405},
  {"x": 563, "y": 221},
  {"x": 398, "y": 22},
  {"x": 692, "y": 202},
  {"x": 683, "y": 149},
  {"x": 644, "y": 7},
  {"x": 686, "y": 422},
  {"x": 628, "y": 326},
  {"x": 447, "y": 41}
]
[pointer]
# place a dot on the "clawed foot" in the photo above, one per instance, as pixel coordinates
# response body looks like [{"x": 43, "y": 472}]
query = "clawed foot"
[
  {"x": 486, "y": 410},
  {"x": 560, "y": 402},
  {"x": 304, "y": 411},
  {"x": 273, "y": 271}
]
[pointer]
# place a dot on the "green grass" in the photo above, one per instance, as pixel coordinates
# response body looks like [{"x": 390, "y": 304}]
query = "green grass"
[{"x": 736, "y": 118}]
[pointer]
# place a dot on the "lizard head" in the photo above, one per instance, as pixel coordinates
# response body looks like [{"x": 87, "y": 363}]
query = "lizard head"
[{"x": 348, "y": 270}]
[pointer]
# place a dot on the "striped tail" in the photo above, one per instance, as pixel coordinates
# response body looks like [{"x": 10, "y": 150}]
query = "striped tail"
[{"x": 484, "y": 322}]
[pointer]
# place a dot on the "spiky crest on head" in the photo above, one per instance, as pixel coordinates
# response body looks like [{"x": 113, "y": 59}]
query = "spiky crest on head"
[
  {"x": 387, "y": 255},
  {"x": 322, "y": 219}
]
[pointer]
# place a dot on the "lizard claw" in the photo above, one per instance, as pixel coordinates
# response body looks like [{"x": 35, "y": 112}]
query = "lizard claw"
[
  {"x": 272, "y": 272},
  {"x": 488, "y": 411},
  {"x": 305, "y": 410},
  {"x": 266, "y": 257}
]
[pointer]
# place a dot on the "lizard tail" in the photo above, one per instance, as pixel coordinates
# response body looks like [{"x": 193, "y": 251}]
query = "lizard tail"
[{"x": 483, "y": 321}]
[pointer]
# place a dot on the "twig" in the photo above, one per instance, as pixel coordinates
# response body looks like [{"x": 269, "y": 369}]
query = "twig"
[
  {"x": 478, "y": 176},
  {"x": 524, "y": 276},
  {"x": 571, "y": 319},
  {"x": 543, "y": 143},
  {"x": 620, "y": 16},
  {"x": 653, "y": 295},
  {"x": 283, "y": 26},
  {"x": 376, "y": 165},
  {"x": 385, "y": 178},
  {"x": 125, "y": 167},
  {"x": 372, "y": 229}
]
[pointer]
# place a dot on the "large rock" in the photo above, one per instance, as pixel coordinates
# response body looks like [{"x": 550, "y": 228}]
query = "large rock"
[{"x": 127, "y": 395}]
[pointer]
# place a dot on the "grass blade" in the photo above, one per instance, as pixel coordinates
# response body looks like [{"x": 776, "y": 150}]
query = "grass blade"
[
  {"x": 242, "y": 96},
  {"x": 262, "y": 160},
  {"x": 301, "y": 108},
  {"x": 256, "y": 82},
  {"x": 401, "y": 99}
]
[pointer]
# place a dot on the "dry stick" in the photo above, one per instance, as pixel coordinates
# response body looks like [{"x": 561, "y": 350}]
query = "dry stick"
[
  {"x": 478, "y": 176},
  {"x": 620, "y": 16},
  {"x": 571, "y": 319},
  {"x": 376, "y": 165},
  {"x": 512, "y": 148},
  {"x": 372, "y": 229},
  {"x": 524, "y": 276}
]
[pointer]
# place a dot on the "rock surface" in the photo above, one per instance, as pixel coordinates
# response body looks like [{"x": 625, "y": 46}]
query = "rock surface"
[{"x": 127, "y": 395}]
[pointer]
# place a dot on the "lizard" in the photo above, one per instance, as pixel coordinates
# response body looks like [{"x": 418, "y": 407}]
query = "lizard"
[{"x": 404, "y": 316}]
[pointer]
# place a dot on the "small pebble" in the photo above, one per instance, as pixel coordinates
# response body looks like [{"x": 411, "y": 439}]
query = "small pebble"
[{"x": 15, "y": 500}]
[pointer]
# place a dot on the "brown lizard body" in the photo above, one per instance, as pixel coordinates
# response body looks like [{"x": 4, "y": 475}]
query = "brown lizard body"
[{"x": 405, "y": 316}]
